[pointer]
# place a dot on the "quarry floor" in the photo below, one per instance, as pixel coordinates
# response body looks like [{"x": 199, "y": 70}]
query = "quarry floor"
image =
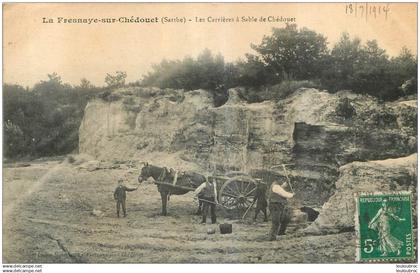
[{"x": 55, "y": 212}]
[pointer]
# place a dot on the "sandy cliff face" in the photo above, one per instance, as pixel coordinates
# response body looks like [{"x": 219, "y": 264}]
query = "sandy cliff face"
[
  {"x": 313, "y": 131},
  {"x": 131, "y": 126},
  {"x": 235, "y": 136},
  {"x": 399, "y": 174},
  {"x": 344, "y": 128}
]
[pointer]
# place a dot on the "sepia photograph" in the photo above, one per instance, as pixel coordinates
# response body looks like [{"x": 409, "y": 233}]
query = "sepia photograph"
[{"x": 209, "y": 133}]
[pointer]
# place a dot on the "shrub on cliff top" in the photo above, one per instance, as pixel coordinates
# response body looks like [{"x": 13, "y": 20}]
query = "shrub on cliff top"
[{"x": 275, "y": 92}]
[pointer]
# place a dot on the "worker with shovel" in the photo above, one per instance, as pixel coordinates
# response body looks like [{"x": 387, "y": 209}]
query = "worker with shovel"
[
  {"x": 208, "y": 195},
  {"x": 280, "y": 213}
]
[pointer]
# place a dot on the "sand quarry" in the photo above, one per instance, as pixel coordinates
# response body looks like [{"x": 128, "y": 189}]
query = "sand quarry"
[{"x": 57, "y": 212}]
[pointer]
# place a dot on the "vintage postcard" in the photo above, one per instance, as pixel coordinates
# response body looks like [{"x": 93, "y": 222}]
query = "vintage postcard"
[{"x": 153, "y": 133}]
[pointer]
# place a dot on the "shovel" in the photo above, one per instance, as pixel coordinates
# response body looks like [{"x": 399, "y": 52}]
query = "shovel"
[{"x": 246, "y": 212}]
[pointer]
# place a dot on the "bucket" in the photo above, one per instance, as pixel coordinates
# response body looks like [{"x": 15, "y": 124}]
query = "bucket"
[{"x": 225, "y": 228}]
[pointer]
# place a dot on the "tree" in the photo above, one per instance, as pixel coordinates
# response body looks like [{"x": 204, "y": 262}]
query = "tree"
[
  {"x": 206, "y": 72},
  {"x": 406, "y": 63},
  {"x": 292, "y": 53},
  {"x": 46, "y": 120},
  {"x": 367, "y": 69},
  {"x": 50, "y": 87},
  {"x": 210, "y": 70},
  {"x": 117, "y": 80},
  {"x": 371, "y": 71},
  {"x": 14, "y": 139},
  {"x": 85, "y": 84},
  {"x": 340, "y": 65},
  {"x": 292, "y": 57},
  {"x": 253, "y": 72},
  {"x": 404, "y": 72},
  {"x": 23, "y": 113}
]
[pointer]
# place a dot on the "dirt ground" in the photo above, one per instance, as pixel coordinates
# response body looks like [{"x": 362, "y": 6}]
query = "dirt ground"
[{"x": 58, "y": 213}]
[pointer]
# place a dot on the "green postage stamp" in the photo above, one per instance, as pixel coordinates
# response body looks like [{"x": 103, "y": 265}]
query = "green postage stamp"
[{"x": 384, "y": 227}]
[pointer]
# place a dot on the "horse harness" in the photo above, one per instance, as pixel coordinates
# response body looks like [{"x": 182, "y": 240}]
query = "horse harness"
[{"x": 164, "y": 173}]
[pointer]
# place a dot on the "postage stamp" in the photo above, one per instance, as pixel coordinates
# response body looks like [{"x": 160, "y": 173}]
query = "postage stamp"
[{"x": 384, "y": 227}]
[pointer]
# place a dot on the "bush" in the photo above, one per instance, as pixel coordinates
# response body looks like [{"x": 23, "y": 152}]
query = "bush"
[
  {"x": 287, "y": 87},
  {"x": 344, "y": 109},
  {"x": 109, "y": 96},
  {"x": 117, "y": 80},
  {"x": 409, "y": 87},
  {"x": 147, "y": 92},
  {"x": 275, "y": 92}
]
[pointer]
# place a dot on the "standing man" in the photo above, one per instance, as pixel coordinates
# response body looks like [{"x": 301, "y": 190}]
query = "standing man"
[
  {"x": 280, "y": 213},
  {"x": 120, "y": 196},
  {"x": 207, "y": 192},
  {"x": 261, "y": 199}
]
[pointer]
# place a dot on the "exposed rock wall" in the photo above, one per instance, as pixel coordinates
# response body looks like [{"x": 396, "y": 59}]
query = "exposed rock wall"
[
  {"x": 235, "y": 136},
  {"x": 112, "y": 131},
  {"x": 337, "y": 214},
  {"x": 347, "y": 128},
  {"x": 312, "y": 131}
]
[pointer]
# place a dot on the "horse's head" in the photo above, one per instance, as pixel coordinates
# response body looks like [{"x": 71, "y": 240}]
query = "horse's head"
[{"x": 145, "y": 173}]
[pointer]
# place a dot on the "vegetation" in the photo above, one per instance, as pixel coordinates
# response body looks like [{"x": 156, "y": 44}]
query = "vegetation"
[
  {"x": 295, "y": 55},
  {"x": 275, "y": 92},
  {"x": 44, "y": 121},
  {"x": 117, "y": 80},
  {"x": 367, "y": 69},
  {"x": 290, "y": 53}
]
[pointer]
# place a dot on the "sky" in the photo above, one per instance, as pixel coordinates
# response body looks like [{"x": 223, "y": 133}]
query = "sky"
[{"x": 32, "y": 49}]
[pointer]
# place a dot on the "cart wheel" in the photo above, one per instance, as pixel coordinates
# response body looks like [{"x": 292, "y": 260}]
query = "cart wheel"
[{"x": 237, "y": 193}]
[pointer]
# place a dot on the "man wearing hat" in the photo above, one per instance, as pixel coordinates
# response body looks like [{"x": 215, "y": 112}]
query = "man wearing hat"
[
  {"x": 120, "y": 196},
  {"x": 280, "y": 213},
  {"x": 207, "y": 192},
  {"x": 261, "y": 199}
]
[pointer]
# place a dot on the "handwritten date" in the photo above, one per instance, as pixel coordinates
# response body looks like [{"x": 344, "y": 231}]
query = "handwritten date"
[{"x": 368, "y": 10}]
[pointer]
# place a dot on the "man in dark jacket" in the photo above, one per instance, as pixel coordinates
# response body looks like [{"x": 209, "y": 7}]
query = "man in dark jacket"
[
  {"x": 120, "y": 196},
  {"x": 261, "y": 199},
  {"x": 207, "y": 192}
]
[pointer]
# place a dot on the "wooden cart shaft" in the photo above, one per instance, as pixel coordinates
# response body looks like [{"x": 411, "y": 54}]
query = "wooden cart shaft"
[{"x": 175, "y": 186}]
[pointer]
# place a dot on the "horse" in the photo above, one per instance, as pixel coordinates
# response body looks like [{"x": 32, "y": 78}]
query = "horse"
[{"x": 162, "y": 174}]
